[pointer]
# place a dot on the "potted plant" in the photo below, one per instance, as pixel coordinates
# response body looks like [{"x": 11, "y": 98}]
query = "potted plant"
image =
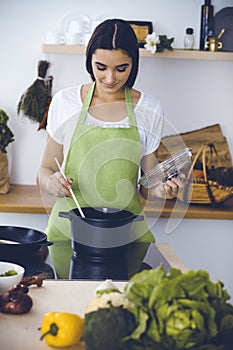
[{"x": 6, "y": 137}]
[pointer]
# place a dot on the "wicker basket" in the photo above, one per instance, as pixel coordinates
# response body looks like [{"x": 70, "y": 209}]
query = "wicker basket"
[{"x": 201, "y": 190}]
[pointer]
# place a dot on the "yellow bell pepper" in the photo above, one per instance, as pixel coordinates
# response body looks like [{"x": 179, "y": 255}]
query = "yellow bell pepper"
[{"x": 61, "y": 329}]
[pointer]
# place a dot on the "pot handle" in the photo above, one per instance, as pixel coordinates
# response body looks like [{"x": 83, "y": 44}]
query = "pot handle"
[
  {"x": 138, "y": 218},
  {"x": 64, "y": 214}
]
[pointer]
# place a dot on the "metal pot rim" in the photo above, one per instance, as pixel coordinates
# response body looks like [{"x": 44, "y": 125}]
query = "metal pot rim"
[
  {"x": 40, "y": 240},
  {"x": 107, "y": 216}
]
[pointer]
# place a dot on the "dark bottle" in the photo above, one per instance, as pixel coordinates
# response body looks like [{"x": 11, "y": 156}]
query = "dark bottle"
[{"x": 207, "y": 23}]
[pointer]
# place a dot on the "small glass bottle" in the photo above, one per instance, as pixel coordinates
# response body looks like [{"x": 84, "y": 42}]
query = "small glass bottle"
[{"x": 189, "y": 39}]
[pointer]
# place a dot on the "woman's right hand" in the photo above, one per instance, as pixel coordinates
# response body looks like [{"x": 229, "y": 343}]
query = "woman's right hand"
[
  {"x": 58, "y": 186},
  {"x": 49, "y": 178}
]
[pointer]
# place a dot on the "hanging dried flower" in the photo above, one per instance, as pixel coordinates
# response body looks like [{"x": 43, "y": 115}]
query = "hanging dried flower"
[{"x": 35, "y": 101}]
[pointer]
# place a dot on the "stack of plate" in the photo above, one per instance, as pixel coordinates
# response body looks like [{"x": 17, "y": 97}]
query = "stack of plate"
[{"x": 224, "y": 20}]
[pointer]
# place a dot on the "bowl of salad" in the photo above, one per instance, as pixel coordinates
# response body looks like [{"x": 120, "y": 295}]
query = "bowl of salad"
[{"x": 10, "y": 275}]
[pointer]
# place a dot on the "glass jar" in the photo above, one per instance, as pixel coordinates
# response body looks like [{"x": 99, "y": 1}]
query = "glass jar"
[{"x": 189, "y": 39}]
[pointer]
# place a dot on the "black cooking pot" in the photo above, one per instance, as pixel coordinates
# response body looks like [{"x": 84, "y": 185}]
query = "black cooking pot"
[
  {"x": 101, "y": 227},
  {"x": 101, "y": 242},
  {"x": 28, "y": 241}
]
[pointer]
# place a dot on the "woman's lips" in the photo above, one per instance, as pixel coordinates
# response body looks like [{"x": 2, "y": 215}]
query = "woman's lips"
[{"x": 109, "y": 86}]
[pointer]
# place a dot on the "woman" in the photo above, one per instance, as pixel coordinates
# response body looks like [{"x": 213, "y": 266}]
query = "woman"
[{"x": 102, "y": 133}]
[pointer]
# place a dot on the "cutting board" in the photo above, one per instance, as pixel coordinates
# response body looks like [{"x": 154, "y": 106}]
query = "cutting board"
[{"x": 195, "y": 139}]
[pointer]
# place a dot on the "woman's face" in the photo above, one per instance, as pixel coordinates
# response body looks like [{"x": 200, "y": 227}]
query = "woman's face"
[{"x": 111, "y": 69}]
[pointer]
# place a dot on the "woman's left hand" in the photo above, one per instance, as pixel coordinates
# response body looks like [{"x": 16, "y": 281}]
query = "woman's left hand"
[
  {"x": 169, "y": 189},
  {"x": 165, "y": 190}
]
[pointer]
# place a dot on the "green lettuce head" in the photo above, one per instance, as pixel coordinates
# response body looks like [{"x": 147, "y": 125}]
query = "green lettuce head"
[{"x": 179, "y": 310}]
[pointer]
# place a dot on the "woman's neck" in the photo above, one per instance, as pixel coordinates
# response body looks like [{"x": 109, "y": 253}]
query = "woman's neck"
[{"x": 101, "y": 96}]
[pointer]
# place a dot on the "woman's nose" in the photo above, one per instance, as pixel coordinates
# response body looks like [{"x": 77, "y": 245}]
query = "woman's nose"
[{"x": 109, "y": 76}]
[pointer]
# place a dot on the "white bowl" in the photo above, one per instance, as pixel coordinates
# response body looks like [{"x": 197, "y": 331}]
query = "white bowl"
[{"x": 6, "y": 282}]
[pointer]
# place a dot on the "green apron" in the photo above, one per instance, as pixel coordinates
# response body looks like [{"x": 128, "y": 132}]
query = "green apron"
[{"x": 103, "y": 163}]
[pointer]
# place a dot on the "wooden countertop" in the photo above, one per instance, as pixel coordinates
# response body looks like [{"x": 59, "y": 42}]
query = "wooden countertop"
[
  {"x": 21, "y": 332},
  {"x": 29, "y": 199}
]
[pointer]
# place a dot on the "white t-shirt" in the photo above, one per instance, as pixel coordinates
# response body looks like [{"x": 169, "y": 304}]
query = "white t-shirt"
[{"x": 66, "y": 105}]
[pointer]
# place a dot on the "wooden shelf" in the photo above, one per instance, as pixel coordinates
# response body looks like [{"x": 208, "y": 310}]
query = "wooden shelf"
[
  {"x": 190, "y": 55},
  {"x": 29, "y": 199},
  {"x": 67, "y": 49},
  {"x": 174, "y": 54}
]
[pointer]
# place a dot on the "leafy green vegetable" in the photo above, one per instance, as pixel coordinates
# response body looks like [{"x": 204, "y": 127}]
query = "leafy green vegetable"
[
  {"x": 104, "y": 329},
  {"x": 8, "y": 273},
  {"x": 179, "y": 311}
]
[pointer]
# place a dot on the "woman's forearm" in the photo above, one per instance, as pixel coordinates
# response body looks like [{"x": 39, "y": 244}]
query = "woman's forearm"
[
  {"x": 43, "y": 178},
  {"x": 49, "y": 177}
]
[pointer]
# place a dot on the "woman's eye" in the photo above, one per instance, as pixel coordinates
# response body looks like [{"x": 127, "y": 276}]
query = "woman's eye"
[
  {"x": 101, "y": 68},
  {"x": 118, "y": 69},
  {"x": 121, "y": 70}
]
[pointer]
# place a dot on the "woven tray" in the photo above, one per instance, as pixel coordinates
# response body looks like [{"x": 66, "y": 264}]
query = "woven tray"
[{"x": 201, "y": 190}]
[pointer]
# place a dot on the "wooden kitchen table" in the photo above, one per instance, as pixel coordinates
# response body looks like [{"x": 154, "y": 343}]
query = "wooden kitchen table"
[{"x": 20, "y": 332}]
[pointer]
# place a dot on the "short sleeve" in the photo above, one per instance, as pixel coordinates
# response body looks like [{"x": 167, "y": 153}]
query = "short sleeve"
[
  {"x": 54, "y": 116},
  {"x": 149, "y": 117},
  {"x": 153, "y": 136},
  {"x": 64, "y": 105}
]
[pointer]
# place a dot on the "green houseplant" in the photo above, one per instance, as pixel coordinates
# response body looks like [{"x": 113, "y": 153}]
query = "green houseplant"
[{"x": 6, "y": 137}]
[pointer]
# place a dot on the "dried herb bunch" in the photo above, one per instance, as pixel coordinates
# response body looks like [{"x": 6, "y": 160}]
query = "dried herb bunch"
[
  {"x": 35, "y": 101},
  {"x": 6, "y": 135}
]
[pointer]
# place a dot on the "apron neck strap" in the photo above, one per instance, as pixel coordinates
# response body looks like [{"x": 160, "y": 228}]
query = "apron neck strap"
[
  {"x": 129, "y": 106},
  {"x": 87, "y": 102}
]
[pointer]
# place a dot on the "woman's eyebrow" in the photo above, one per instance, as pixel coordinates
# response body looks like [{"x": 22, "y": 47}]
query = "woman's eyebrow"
[
  {"x": 101, "y": 64},
  {"x": 122, "y": 65},
  {"x": 119, "y": 66}
]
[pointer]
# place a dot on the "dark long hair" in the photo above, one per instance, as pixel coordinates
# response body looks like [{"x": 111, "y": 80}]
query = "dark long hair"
[{"x": 114, "y": 34}]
